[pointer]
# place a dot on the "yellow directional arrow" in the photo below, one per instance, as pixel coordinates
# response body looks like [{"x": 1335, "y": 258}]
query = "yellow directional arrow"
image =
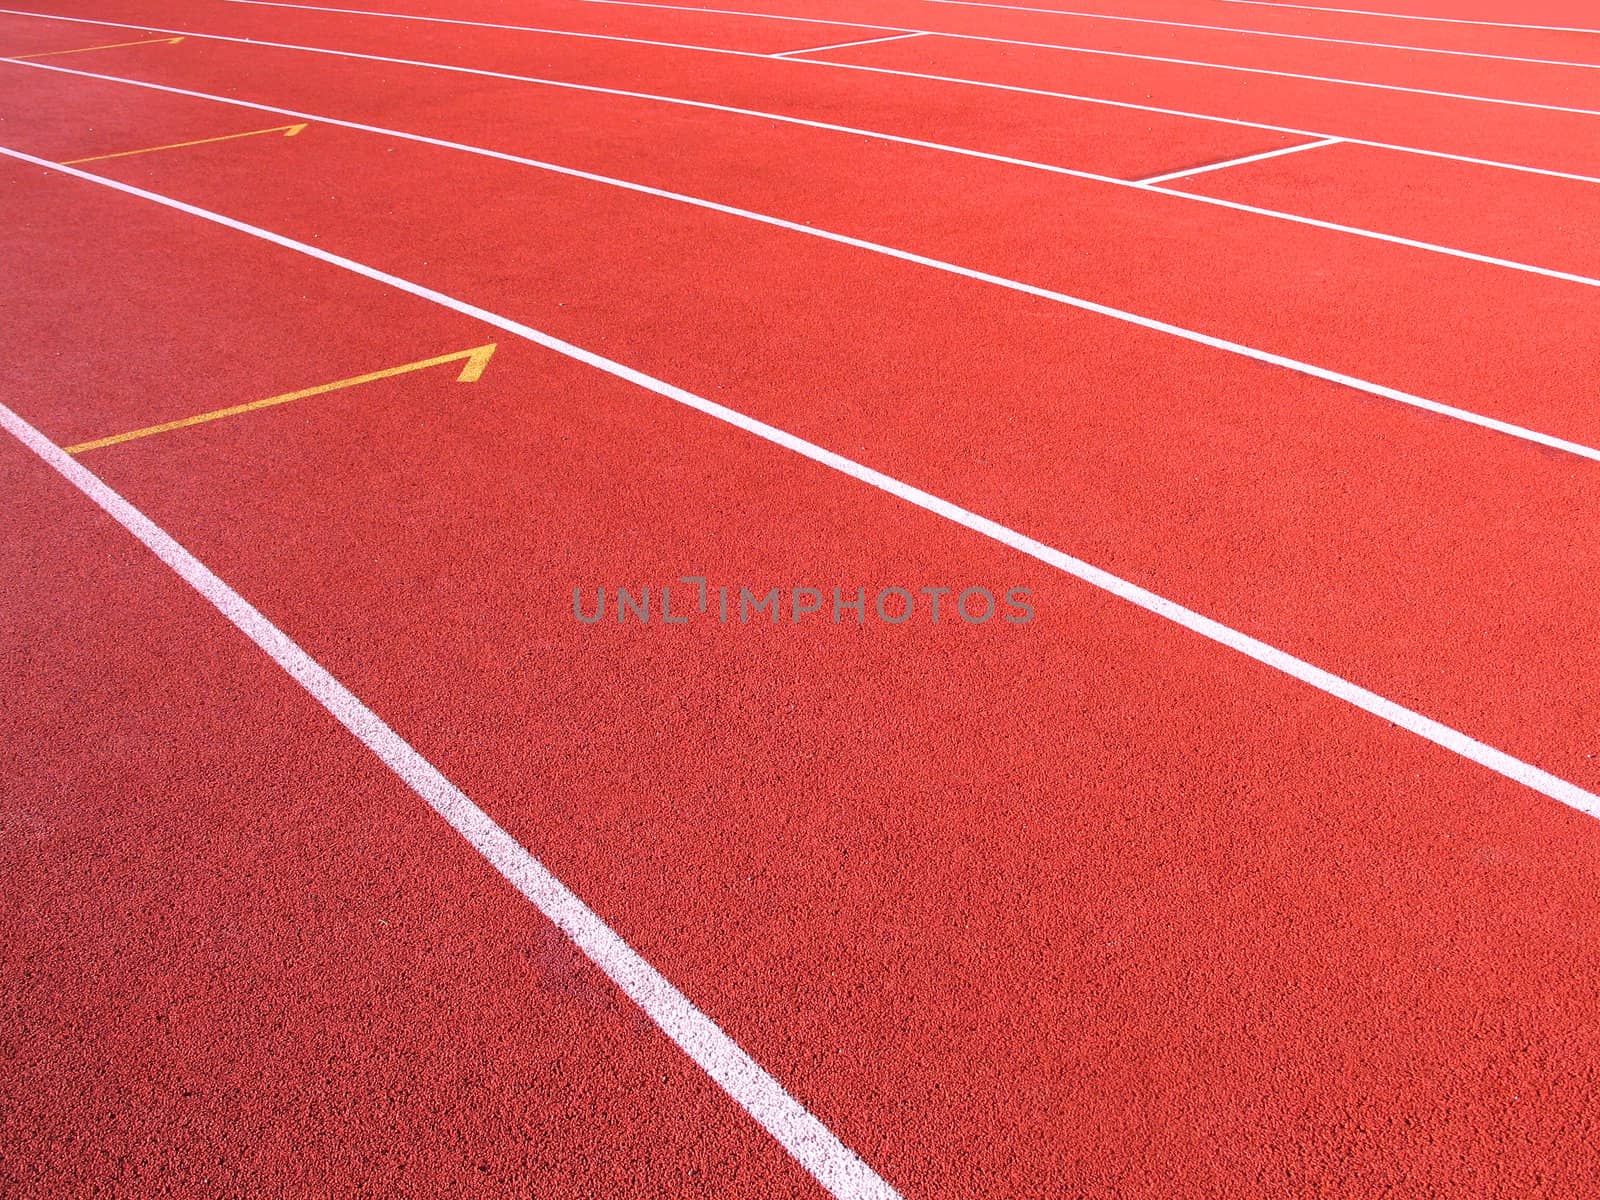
[
  {"x": 171, "y": 41},
  {"x": 286, "y": 130},
  {"x": 476, "y": 359}
]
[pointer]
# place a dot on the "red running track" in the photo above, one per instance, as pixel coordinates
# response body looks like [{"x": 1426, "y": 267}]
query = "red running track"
[{"x": 1087, "y": 906}]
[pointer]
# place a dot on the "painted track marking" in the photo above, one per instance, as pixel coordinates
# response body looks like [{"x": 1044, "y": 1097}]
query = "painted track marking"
[
  {"x": 166, "y": 41},
  {"x": 1236, "y": 162},
  {"x": 476, "y": 360},
  {"x": 286, "y": 130},
  {"x": 1444, "y": 736},
  {"x": 1326, "y": 374},
  {"x": 1101, "y": 101},
  {"x": 898, "y": 37}
]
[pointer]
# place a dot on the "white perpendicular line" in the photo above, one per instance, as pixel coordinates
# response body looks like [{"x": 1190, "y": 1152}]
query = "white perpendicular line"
[
  {"x": 833, "y": 1164},
  {"x": 974, "y": 37},
  {"x": 1236, "y": 162},
  {"x": 1127, "y": 105},
  {"x": 1393, "y": 16},
  {"x": 898, "y": 37},
  {"x": 1105, "y": 310},
  {"x": 1444, "y": 736}
]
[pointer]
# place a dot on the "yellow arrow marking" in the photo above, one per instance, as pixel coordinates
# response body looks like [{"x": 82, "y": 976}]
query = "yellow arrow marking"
[
  {"x": 476, "y": 360},
  {"x": 286, "y": 130},
  {"x": 171, "y": 41}
]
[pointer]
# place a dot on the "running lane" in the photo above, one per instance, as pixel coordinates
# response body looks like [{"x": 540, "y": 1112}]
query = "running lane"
[
  {"x": 54, "y": 39},
  {"x": 241, "y": 957},
  {"x": 1007, "y": 933}
]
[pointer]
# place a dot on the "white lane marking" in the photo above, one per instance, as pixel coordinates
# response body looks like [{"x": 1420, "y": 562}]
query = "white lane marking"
[
  {"x": 1266, "y": 33},
  {"x": 1236, "y": 162},
  {"x": 973, "y": 37},
  {"x": 898, "y": 37},
  {"x": 1365, "y": 12},
  {"x": 1439, "y": 734},
  {"x": 1015, "y": 285},
  {"x": 1196, "y": 197},
  {"x": 1234, "y": 122},
  {"x": 808, "y": 1140}
]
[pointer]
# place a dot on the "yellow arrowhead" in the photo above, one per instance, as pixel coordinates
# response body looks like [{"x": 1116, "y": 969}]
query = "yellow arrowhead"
[{"x": 477, "y": 360}]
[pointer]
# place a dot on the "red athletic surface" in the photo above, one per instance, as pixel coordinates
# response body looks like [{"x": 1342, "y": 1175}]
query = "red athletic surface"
[{"x": 1090, "y": 906}]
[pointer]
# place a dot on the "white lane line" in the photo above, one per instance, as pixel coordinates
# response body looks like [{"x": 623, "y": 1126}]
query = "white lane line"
[
  {"x": 1236, "y": 162},
  {"x": 1127, "y": 105},
  {"x": 1092, "y": 16},
  {"x": 1366, "y": 12},
  {"x": 808, "y": 1140},
  {"x": 1215, "y": 29},
  {"x": 1015, "y": 285},
  {"x": 1111, "y": 180},
  {"x": 972, "y": 37},
  {"x": 1439, "y": 734},
  {"x": 898, "y": 37}
]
